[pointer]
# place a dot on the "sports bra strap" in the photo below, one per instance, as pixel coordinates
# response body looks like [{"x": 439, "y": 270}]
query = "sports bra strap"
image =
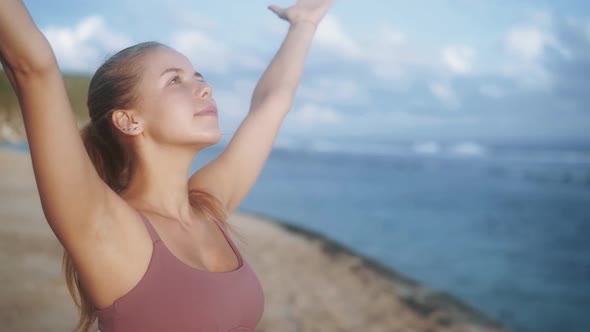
[{"x": 153, "y": 234}]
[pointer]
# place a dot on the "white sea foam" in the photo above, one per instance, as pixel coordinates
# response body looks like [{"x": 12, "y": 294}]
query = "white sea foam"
[
  {"x": 467, "y": 149},
  {"x": 428, "y": 147}
]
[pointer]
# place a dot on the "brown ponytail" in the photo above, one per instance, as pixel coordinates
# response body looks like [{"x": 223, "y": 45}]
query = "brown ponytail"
[{"x": 112, "y": 87}]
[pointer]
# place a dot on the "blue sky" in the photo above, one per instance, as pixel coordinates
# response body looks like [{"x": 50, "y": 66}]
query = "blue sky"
[{"x": 440, "y": 70}]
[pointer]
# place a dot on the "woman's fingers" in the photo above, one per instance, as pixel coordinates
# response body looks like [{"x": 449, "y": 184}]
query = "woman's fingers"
[
  {"x": 308, "y": 10},
  {"x": 278, "y": 10}
]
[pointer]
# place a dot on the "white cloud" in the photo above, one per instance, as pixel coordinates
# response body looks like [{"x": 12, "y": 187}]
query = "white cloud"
[
  {"x": 530, "y": 39},
  {"x": 203, "y": 50},
  {"x": 526, "y": 44},
  {"x": 84, "y": 46},
  {"x": 330, "y": 36},
  {"x": 385, "y": 50},
  {"x": 458, "y": 59},
  {"x": 206, "y": 51},
  {"x": 526, "y": 41},
  {"x": 445, "y": 93}
]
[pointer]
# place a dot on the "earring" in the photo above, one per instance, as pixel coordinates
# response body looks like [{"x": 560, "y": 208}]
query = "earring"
[{"x": 134, "y": 128}]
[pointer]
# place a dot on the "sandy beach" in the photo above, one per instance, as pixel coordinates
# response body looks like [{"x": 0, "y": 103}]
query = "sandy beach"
[{"x": 311, "y": 283}]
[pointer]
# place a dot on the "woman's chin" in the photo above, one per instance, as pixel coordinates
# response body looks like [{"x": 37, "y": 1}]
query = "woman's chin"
[{"x": 208, "y": 138}]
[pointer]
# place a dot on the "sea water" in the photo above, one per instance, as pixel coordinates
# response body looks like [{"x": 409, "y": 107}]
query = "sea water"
[{"x": 504, "y": 228}]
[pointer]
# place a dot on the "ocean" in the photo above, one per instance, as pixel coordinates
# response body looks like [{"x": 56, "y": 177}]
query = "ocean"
[{"x": 503, "y": 227}]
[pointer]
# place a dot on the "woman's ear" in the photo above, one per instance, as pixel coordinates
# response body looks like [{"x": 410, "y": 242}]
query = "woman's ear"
[{"x": 126, "y": 122}]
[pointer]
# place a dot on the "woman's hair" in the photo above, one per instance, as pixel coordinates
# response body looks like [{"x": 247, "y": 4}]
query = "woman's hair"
[{"x": 112, "y": 87}]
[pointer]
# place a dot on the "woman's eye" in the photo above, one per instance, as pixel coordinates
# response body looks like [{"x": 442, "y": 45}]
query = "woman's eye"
[{"x": 176, "y": 79}]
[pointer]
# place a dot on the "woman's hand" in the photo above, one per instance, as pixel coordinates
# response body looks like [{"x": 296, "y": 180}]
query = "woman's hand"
[{"x": 304, "y": 10}]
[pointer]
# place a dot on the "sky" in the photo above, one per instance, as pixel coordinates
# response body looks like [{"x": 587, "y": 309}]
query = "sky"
[{"x": 439, "y": 70}]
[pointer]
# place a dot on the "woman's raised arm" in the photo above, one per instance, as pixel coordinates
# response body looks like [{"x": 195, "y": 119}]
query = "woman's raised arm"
[
  {"x": 232, "y": 174},
  {"x": 72, "y": 193}
]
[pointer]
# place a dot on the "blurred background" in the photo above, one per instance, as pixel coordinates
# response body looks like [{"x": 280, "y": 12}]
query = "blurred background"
[{"x": 447, "y": 139}]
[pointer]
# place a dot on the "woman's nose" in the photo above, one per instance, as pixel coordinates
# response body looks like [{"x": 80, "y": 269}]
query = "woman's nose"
[{"x": 204, "y": 91}]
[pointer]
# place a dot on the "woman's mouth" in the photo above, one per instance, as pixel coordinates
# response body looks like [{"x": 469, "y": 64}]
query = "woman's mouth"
[{"x": 209, "y": 110}]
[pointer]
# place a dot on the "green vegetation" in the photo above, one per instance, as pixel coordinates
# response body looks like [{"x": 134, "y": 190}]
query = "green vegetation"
[{"x": 11, "y": 126}]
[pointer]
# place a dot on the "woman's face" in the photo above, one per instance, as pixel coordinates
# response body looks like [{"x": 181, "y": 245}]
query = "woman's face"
[{"x": 171, "y": 92}]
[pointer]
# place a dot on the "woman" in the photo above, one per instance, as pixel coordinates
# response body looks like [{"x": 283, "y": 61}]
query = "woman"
[{"x": 146, "y": 249}]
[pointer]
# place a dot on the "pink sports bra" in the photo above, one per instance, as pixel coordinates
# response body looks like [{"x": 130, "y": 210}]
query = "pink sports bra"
[{"x": 173, "y": 296}]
